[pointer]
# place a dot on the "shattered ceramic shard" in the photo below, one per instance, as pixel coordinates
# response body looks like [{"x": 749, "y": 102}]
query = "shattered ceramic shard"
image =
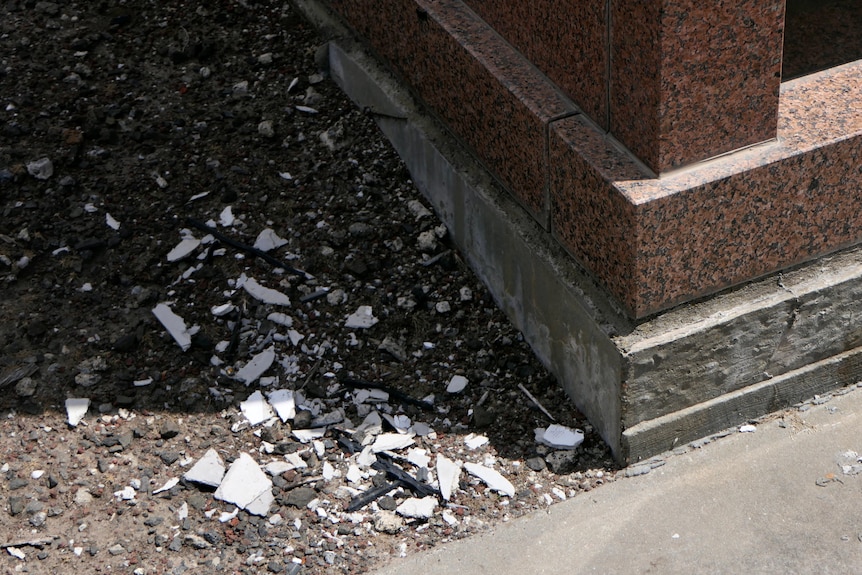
[
  {"x": 209, "y": 470},
  {"x": 142, "y": 382},
  {"x": 257, "y": 366},
  {"x": 328, "y": 471},
  {"x": 226, "y": 217},
  {"x": 457, "y": 384},
  {"x": 391, "y": 441},
  {"x": 400, "y": 423},
  {"x": 421, "y": 429},
  {"x": 198, "y": 196},
  {"x": 169, "y": 484},
  {"x": 226, "y": 516},
  {"x": 111, "y": 222},
  {"x": 175, "y": 325},
  {"x": 127, "y": 493},
  {"x": 354, "y": 474},
  {"x": 362, "y": 318},
  {"x": 76, "y": 409},
  {"x": 16, "y": 553},
  {"x": 223, "y": 309},
  {"x": 366, "y": 457},
  {"x": 277, "y": 467},
  {"x": 418, "y": 457},
  {"x": 268, "y": 240},
  {"x": 295, "y": 337},
  {"x": 306, "y": 109},
  {"x": 255, "y": 409},
  {"x": 280, "y": 319},
  {"x": 448, "y": 473},
  {"x": 183, "y": 249},
  {"x": 491, "y": 478},
  {"x": 295, "y": 460},
  {"x": 307, "y": 435},
  {"x": 416, "y": 508},
  {"x": 474, "y": 441},
  {"x": 282, "y": 400},
  {"x": 560, "y": 437},
  {"x": 265, "y": 294},
  {"x": 246, "y": 486},
  {"x": 748, "y": 428}
]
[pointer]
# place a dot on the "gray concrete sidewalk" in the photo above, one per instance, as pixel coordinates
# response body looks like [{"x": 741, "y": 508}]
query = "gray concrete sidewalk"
[{"x": 772, "y": 501}]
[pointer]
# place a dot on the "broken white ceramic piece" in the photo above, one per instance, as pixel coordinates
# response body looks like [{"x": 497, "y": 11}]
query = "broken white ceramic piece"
[
  {"x": 255, "y": 409},
  {"x": 268, "y": 240},
  {"x": 169, "y": 484},
  {"x": 282, "y": 400},
  {"x": 560, "y": 436},
  {"x": 209, "y": 470},
  {"x": 418, "y": 457},
  {"x": 76, "y": 409},
  {"x": 362, "y": 318},
  {"x": 111, "y": 222},
  {"x": 473, "y": 441},
  {"x": 457, "y": 384},
  {"x": 265, "y": 294},
  {"x": 223, "y": 309},
  {"x": 448, "y": 472},
  {"x": 246, "y": 486},
  {"x": 226, "y": 217},
  {"x": 391, "y": 441},
  {"x": 416, "y": 508},
  {"x": 183, "y": 249},
  {"x": 307, "y": 435},
  {"x": 280, "y": 319},
  {"x": 175, "y": 325},
  {"x": 491, "y": 478},
  {"x": 257, "y": 366},
  {"x": 400, "y": 423}
]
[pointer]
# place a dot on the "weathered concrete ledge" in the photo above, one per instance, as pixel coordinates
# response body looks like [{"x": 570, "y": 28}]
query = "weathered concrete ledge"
[{"x": 647, "y": 386}]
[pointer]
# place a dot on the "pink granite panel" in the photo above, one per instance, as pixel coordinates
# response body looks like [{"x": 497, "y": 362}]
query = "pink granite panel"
[
  {"x": 565, "y": 39},
  {"x": 691, "y": 80},
  {"x": 482, "y": 89}
]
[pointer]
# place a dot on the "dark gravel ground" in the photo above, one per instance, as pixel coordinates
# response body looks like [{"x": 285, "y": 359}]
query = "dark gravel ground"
[{"x": 123, "y": 126}]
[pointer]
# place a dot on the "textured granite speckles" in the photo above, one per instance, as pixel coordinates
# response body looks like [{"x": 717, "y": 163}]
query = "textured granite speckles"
[
  {"x": 821, "y": 34},
  {"x": 483, "y": 90},
  {"x": 565, "y": 39},
  {"x": 691, "y": 80}
]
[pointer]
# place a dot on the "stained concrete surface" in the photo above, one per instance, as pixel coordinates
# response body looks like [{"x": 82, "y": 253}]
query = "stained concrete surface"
[{"x": 770, "y": 501}]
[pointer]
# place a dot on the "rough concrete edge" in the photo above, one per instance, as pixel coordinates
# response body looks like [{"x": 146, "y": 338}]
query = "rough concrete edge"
[
  {"x": 533, "y": 282},
  {"x": 675, "y": 429}
]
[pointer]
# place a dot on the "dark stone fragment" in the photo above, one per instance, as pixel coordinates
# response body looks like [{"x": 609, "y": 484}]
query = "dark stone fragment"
[
  {"x": 153, "y": 521},
  {"x": 483, "y": 417},
  {"x": 303, "y": 419},
  {"x": 561, "y": 462},
  {"x": 176, "y": 544},
  {"x": 16, "y": 505},
  {"x": 89, "y": 245},
  {"x": 17, "y": 483},
  {"x": 169, "y": 457},
  {"x": 387, "y": 503},
  {"x": 300, "y": 497},
  {"x": 169, "y": 429},
  {"x": 275, "y": 567},
  {"x": 536, "y": 464}
]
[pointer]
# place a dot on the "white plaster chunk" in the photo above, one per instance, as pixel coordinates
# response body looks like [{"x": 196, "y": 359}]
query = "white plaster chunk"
[
  {"x": 401, "y": 423},
  {"x": 416, "y": 508},
  {"x": 223, "y": 309},
  {"x": 277, "y": 467},
  {"x": 560, "y": 436},
  {"x": 111, "y": 222},
  {"x": 209, "y": 469},
  {"x": 282, "y": 400},
  {"x": 255, "y": 409},
  {"x": 354, "y": 474},
  {"x": 421, "y": 429},
  {"x": 457, "y": 384},
  {"x": 448, "y": 473},
  {"x": 280, "y": 318},
  {"x": 169, "y": 484},
  {"x": 258, "y": 365},
  {"x": 246, "y": 486},
  {"x": 265, "y": 294},
  {"x": 328, "y": 471},
  {"x": 491, "y": 478},
  {"x": 183, "y": 249},
  {"x": 308, "y": 435},
  {"x": 418, "y": 457},
  {"x": 366, "y": 457},
  {"x": 295, "y": 460},
  {"x": 175, "y": 325},
  {"x": 268, "y": 240},
  {"x": 391, "y": 442},
  {"x": 76, "y": 409},
  {"x": 362, "y": 318},
  {"x": 473, "y": 441},
  {"x": 747, "y": 428},
  {"x": 226, "y": 217}
]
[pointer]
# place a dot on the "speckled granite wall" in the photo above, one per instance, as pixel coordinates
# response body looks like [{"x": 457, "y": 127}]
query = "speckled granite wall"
[
  {"x": 690, "y": 80},
  {"x": 565, "y": 39},
  {"x": 492, "y": 98}
]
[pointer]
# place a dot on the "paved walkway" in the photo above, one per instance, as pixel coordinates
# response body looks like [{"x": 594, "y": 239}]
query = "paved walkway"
[{"x": 772, "y": 501}]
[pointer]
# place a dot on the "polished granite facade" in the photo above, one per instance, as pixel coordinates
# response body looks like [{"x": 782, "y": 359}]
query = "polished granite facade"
[{"x": 687, "y": 82}]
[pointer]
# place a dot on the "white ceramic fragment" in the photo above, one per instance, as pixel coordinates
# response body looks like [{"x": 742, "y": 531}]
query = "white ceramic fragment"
[
  {"x": 280, "y": 319},
  {"x": 366, "y": 457},
  {"x": 401, "y": 423},
  {"x": 226, "y": 516},
  {"x": 142, "y": 382},
  {"x": 183, "y": 249},
  {"x": 169, "y": 484},
  {"x": 748, "y": 428},
  {"x": 209, "y": 470},
  {"x": 226, "y": 217},
  {"x": 175, "y": 325},
  {"x": 282, "y": 400},
  {"x": 258, "y": 365},
  {"x": 265, "y": 294},
  {"x": 76, "y": 409},
  {"x": 560, "y": 436},
  {"x": 328, "y": 471},
  {"x": 111, "y": 222},
  {"x": 41, "y": 169},
  {"x": 255, "y": 409},
  {"x": 448, "y": 473},
  {"x": 418, "y": 457},
  {"x": 354, "y": 474},
  {"x": 306, "y": 109},
  {"x": 362, "y": 318},
  {"x": 127, "y": 493},
  {"x": 16, "y": 553},
  {"x": 246, "y": 486},
  {"x": 223, "y": 309},
  {"x": 295, "y": 460},
  {"x": 491, "y": 478},
  {"x": 391, "y": 441},
  {"x": 473, "y": 441},
  {"x": 183, "y": 512},
  {"x": 268, "y": 240},
  {"x": 308, "y": 435},
  {"x": 457, "y": 384},
  {"x": 416, "y": 508}
]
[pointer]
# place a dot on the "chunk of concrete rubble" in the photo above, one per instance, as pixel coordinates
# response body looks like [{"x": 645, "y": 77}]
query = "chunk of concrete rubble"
[
  {"x": 284, "y": 403},
  {"x": 416, "y": 508},
  {"x": 560, "y": 436},
  {"x": 265, "y": 294},
  {"x": 183, "y": 249},
  {"x": 491, "y": 478},
  {"x": 257, "y": 366},
  {"x": 280, "y": 318},
  {"x": 169, "y": 484},
  {"x": 267, "y": 240},
  {"x": 175, "y": 325},
  {"x": 391, "y": 442},
  {"x": 448, "y": 473},
  {"x": 255, "y": 409},
  {"x": 209, "y": 470},
  {"x": 362, "y": 318},
  {"x": 457, "y": 384},
  {"x": 76, "y": 409},
  {"x": 246, "y": 486}
]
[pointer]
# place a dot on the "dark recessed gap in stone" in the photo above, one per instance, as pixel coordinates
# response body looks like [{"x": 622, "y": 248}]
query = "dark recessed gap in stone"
[{"x": 820, "y": 34}]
